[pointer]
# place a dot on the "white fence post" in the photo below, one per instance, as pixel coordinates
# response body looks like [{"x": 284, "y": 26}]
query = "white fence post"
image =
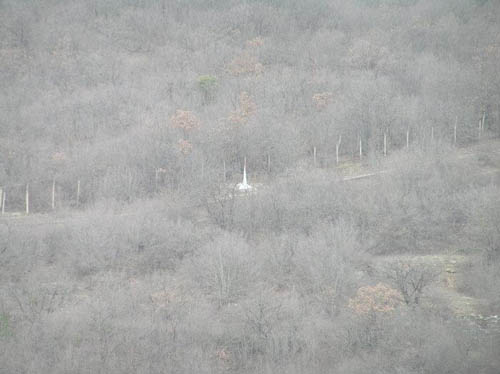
[
  {"x": 54, "y": 194},
  {"x": 360, "y": 148},
  {"x": 224, "y": 169},
  {"x": 3, "y": 201},
  {"x": 27, "y": 198},
  {"x": 337, "y": 149},
  {"x": 455, "y": 131},
  {"x": 385, "y": 144},
  {"x": 78, "y": 193}
]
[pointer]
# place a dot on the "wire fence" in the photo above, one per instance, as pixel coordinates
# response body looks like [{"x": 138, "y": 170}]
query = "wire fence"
[{"x": 36, "y": 196}]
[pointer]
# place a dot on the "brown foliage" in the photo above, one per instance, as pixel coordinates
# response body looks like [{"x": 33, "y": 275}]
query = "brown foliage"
[
  {"x": 321, "y": 100},
  {"x": 247, "y": 108},
  {"x": 161, "y": 299},
  {"x": 185, "y": 120},
  {"x": 379, "y": 298},
  {"x": 255, "y": 42},
  {"x": 185, "y": 147},
  {"x": 245, "y": 63},
  {"x": 59, "y": 156}
]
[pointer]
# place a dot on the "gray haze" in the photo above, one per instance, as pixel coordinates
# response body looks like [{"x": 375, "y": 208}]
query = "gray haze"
[{"x": 249, "y": 186}]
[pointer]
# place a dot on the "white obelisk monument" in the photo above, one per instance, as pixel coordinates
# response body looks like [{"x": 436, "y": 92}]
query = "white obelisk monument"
[{"x": 244, "y": 186}]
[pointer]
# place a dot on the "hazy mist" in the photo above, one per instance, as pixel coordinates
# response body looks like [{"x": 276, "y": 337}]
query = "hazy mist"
[{"x": 249, "y": 186}]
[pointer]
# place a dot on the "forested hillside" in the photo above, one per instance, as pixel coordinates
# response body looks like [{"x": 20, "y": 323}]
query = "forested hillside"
[
  {"x": 108, "y": 92},
  {"x": 368, "y": 243}
]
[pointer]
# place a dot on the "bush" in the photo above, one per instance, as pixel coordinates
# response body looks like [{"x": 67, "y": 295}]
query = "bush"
[{"x": 208, "y": 87}]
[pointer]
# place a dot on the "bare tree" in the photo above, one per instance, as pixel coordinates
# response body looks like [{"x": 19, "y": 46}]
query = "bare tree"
[{"x": 410, "y": 279}]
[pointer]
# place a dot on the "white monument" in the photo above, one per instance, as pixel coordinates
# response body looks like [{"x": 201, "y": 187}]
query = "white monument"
[{"x": 244, "y": 186}]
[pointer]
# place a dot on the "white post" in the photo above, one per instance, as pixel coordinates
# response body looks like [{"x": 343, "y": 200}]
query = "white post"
[
  {"x": 268, "y": 163},
  {"x": 479, "y": 133},
  {"x": 130, "y": 180},
  {"x": 314, "y": 155},
  {"x": 455, "y": 131},
  {"x": 78, "y": 193},
  {"x": 1, "y": 198},
  {"x": 483, "y": 119},
  {"x": 360, "y": 148},
  {"x": 54, "y": 194},
  {"x": 3, "y": 202},
  {"x": 385, "y": 144},
  {"x": 408, "y": 137},
  {"x": 245, "y": 172},
  {"x": 156, "y": 179},
  {"x": 27, "y": 198},
  {"x": 337, "y": 149}
]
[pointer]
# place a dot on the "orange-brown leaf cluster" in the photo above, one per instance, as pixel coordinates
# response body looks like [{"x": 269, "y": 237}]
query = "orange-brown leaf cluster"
[
  {"x": 185, "y": 147},
  {"x": 321, "y": 100},
  {"x": 245, "y": 63},
  {"x": 379, "y": 298},
  {"x": 247, "y": 108},
  {"x": 185, "y": 120},
  {"x": 222, "y": 355},
  {"x": 59, "y": 156},
  {"x": 255, "y": 42},
  {"x": 162, "y": 298}
]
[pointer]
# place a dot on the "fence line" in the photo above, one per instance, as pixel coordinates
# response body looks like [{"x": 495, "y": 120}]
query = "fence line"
[{"x": 53, "y": 197}]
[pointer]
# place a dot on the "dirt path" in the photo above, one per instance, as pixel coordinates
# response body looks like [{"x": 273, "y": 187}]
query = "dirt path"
[{"x": 445, "y": 291}]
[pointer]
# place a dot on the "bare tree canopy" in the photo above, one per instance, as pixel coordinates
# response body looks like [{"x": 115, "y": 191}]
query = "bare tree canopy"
[{"x": 249, "y": 186}]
